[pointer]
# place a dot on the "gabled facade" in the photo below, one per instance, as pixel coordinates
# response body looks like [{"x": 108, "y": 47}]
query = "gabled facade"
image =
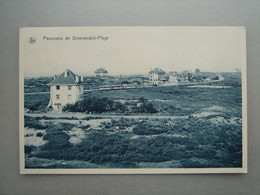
[
  {"x": 156, "y": 76},
  {"x": 173, "y": 78},
  {"x": 66, "y": 88}
]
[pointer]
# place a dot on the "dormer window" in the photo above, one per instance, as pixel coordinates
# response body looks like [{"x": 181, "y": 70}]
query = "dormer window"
[{"x": 57, "y": 87}]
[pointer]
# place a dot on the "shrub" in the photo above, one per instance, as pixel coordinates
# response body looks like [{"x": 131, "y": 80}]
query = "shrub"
[
  {"x": 84, "y": 127},
  {"x": 104, "y": 104},
  {"x": 28, "y": 149},
  {"x": 119, "y": 107},
  {"x": 125, "y": 82},
  {"x": 39, "y": 105},
  {"x": 60, "y": 127},
  {"x": 150, "y": 128},
  {"x": 145, "y": 107},
  {"x": 31, "y": 122},
  {"x": 57, "y": 139},
  {"x": 94, "y": 104},
  {"x": 39, "y": 134},
  {"x": 123, "y": 122}
]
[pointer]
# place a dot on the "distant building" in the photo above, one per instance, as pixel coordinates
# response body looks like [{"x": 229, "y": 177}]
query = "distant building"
[
  {"x": 66, "y": 88},
  {"x": 101, "y": 72},
  {"x": 208, "y": 79},
  {"x": 173, "y": 78},
  {"x": 156, "y": 76}
]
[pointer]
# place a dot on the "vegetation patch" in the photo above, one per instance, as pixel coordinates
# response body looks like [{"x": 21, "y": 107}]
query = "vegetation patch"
[
  {"x": 31, "y": 122},
  {"x": 205, "y": 145},
  {"x": 150, "y": 128},
  {"x": 193, "y": 141},
  {"x": 104, "y": 104}
]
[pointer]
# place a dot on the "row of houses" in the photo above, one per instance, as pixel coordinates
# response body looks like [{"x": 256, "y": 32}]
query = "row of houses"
[
  {"x": 159, "y": 77},
  {"x": 68, "y": 88}
]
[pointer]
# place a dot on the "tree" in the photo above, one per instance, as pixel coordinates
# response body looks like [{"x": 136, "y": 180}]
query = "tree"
[{"x": 197, "y": 70}]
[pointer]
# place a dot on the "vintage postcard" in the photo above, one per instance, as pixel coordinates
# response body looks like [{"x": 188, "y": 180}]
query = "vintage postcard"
[{"x": 133, "y": 100}]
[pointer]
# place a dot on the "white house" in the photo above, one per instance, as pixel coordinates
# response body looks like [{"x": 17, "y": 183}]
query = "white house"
[
  {"x": 156, "y": 76},
  {"x": 173, "y": 78},
  {"x": 66, "y": 88}
]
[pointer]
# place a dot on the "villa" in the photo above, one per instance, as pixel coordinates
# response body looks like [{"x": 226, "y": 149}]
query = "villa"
[{"x": 66, "y": 88}]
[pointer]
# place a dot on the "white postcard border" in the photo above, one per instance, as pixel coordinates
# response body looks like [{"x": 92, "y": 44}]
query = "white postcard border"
[{"x": 24, "y": 170}]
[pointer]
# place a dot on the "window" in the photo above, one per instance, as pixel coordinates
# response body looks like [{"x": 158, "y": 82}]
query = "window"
[
  {"x": 57, "y": 87},
  {"x": 69, "y": 96},
  {"x": 57, "y": 97},
  {"x": 69, "y": 87}
]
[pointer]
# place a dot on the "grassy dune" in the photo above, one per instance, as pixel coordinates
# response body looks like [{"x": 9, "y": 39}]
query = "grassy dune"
[{"x": 209, "y": 134}]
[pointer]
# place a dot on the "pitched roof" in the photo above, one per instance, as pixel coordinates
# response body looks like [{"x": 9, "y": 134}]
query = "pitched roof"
[
  {"x": 157, "y": 71},
  {"x": 70, "y": 79},
  {"x": 101, "y": 70}
]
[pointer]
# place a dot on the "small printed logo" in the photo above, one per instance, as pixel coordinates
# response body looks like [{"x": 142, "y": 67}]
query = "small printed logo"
[{"x": 32, "y": 40}]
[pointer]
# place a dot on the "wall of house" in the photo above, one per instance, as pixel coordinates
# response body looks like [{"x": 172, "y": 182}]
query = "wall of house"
[
  {"x": 173, "y": 79},
  {"x": 154, "y": 79},
  {"x": 66, "y": 94}
]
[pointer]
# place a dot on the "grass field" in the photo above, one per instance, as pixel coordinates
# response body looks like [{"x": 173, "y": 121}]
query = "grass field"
[{"x": 193, "y": 127}]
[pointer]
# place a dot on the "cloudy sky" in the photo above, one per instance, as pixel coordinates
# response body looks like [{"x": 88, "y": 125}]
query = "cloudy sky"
[{"x": 131, "y": 50}]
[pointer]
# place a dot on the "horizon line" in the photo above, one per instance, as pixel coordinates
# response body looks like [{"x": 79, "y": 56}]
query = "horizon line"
[{"x": 135, "y": 74}]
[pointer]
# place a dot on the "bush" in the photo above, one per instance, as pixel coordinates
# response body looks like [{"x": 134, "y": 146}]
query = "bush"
[
  {"x": 59, "y": 127},
  {"x": 28, "y": 149},
  {"x": 148, "y": 128},
  {"x": 101, "y": 105},
  {"x": 144, "y": 107},
  {"x": 39, "y": 105},
  {"x": 125, "y": 82},
  {"x": 39, "y": 134},
  {"x": 31, "y": 122},
  {"x": 96, "y": 105},
  {"x": 57, "y": 139},
  {"x": 119, "y": 107}
]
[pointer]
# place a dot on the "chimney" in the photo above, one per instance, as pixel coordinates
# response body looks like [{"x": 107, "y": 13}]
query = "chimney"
[
  {"x": 66, "y": 73},
  {"x": 77, "y": 78},
  {"x": 55, "y": 76},
  {"x": 81, "y": 78}
]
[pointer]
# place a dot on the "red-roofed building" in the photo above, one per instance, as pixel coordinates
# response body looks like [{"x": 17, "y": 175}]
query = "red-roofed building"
[{"x": 66, "y": 88}]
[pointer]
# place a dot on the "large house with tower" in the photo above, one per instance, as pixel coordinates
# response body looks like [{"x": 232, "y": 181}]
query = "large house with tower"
[
  {"x": 66, "y": 88},
  {"x": 156, "y": 76}
]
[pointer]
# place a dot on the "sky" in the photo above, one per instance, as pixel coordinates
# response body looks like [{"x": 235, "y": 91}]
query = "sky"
[{"x": 131, "y": 50}]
